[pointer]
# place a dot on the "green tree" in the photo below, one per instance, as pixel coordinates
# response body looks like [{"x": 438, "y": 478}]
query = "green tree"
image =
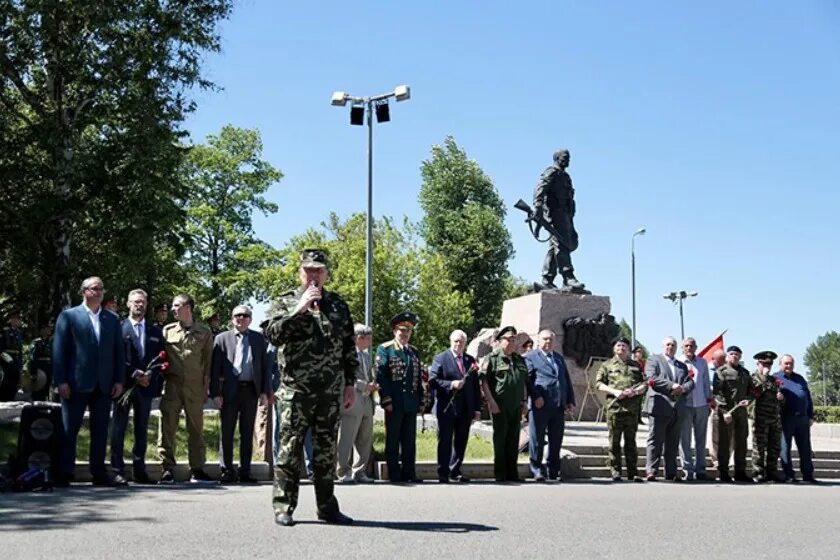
[
  {"x": 408, "y": 277},
  {"x": 227, "y": 181},
  {"x": 822, "y": 358},
  {"x": 93, "y": 96},
  {"x": 464, "y": 223}
]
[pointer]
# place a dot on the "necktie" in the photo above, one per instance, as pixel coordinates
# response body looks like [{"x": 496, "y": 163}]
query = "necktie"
[
  {"x": 138, "y": 340},
  {"x": 241, "y": 354},
  {"x": 460, "y": 361}
]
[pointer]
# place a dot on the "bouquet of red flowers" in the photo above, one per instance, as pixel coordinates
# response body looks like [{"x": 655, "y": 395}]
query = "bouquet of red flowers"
[{"x": 158, "y": 362}]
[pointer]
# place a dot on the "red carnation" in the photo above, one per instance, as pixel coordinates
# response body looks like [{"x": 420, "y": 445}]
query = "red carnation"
[
  {"x": 164, "y": 366},
  {"x": 779, "y": 382},
  {"x": 691, "y": 373},
  {"x": 162, "y": 355},
  {"x": 651, "y": 382}
]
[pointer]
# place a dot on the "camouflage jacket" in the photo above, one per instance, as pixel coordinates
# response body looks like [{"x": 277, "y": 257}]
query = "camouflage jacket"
[
  {"x": 765, "y": 388},
  {"x": 621, "y": 374},
  {"x": 730, "y": 386},
  {"x": 399, "y": 374},
  {"x": 317, "y": 350},
  {"x": 505, "y": 377}
]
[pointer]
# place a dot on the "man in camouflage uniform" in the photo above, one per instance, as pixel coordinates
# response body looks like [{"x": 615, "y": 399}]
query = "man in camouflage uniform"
[
  {"x": 11, "y": 357},
  {"x": 554, "y": 199},
  {"x": 314, "y": 334},
  {"x": 189, "y": 350},
  {"x": 767, "y": 423},
  {"x": 503, "y": 374},
  {"x": 399, "y": 375},
  {"x": 731, "y": 388},
  {"x": 623, "y": 380},
  {"x": 40, "y": 364}
]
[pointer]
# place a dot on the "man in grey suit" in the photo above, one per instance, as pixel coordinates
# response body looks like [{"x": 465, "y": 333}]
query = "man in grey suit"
[
  {"x": 697, "y": 413},
  {"x": 240, "y": 377},
  {"x": 665, "y": 405},
  {"x": 356, "y": 429}
]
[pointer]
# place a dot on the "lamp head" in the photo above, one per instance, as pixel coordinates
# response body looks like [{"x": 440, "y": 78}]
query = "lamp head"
[
  {"x": 339, "y": 99},
  {"x": 402, "y": 93}
]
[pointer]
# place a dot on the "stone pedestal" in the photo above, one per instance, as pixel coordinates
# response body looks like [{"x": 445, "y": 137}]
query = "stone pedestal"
[{"x": 549, "y": 309}]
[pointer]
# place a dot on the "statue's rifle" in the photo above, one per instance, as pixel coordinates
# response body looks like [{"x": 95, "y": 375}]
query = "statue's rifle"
[{"x": 537, "y": 221}]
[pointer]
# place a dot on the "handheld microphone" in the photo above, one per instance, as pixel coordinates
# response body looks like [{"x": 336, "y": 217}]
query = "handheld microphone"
[{"x": 315, "y": 303}]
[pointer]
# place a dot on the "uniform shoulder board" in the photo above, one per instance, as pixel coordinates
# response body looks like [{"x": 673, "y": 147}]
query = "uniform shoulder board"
[{"x": 387, "y": 344}]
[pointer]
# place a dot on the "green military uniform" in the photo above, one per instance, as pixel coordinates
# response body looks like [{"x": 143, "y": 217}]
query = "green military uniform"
[
  {"x": 399, "y": 375},
  {"x": 767, "y": 426},
  {"x": 40, "y": 368},
  {"x": 730, "y": 386},
  {"x": 622, "y": 414},
  {"x": 11, "y": 362},
  {"x": 505, "y": 376},
  {"x": 189, "y": 351},
  {"x": 319, "y": 356}
]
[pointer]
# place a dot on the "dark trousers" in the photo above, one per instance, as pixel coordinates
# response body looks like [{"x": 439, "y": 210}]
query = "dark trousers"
[
  {"x": 72, "y": 415},
  {"x": 453, "y": 434},
  {"x": 142, "y": 406},
  {"x": 797, "y": 429},
  {"x": 9, "y": 385},
  {"x": 401, "y": 444},
  {"x": 243, "y": 408},
  {"x": 506, "y": 428},
  {"x": 663, "y": 432},
  {"x": 733, "y": 435},
  {"x": 549, "y": 420}
]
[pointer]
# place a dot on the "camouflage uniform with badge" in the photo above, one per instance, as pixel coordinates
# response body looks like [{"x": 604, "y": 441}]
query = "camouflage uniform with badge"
[
  {"x": 314, "y": 336},
  {"x": 624, "y": 376},
  {"x": 767, "y": 422},
  {"x": 731, "y": 387},
  {"x": 503, "y": 373},
  {"x": 189, "y": 350}
]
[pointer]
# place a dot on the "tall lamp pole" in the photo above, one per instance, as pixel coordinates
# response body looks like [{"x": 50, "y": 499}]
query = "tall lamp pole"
[
  {"x": 361, "y": 108},
  {"x": 680, "y": 296},
  {"x": 640, "y": 231}
]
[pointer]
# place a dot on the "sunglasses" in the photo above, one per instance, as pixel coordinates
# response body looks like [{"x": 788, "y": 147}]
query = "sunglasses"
[{"x": 242, "y": 315}]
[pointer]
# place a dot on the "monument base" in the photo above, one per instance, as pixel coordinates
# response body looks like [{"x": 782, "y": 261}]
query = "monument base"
[{"x": 550, "y": 309}]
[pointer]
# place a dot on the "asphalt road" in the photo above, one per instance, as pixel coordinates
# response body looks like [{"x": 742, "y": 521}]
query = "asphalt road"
[{"x": 584, "y": 519}]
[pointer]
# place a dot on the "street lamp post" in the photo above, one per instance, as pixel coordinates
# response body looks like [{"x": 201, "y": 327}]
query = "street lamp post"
[
  {"x": 640, "y": 231},
  {"x": 361, "y": 108},
  {"x": 675, "y": 296}
]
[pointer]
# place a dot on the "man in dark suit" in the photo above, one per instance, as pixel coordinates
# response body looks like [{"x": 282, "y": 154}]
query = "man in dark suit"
[
  {"x": 454, "y": 379},
  {"x": 88, "y": 371},
  {"x": 665, "y": 405},
  {"x": 143, "y": 342},
  {"x": 240, "y": 378},
  {"x": 551, "y": 395}
]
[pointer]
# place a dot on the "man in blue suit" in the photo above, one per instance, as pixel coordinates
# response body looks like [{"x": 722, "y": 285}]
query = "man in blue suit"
[
  {"x": 88, "y": 371},
  {"x": 454, "y": 379},
  {"x": 551, "y": 395},
  {"x": 142, "y": 342}
]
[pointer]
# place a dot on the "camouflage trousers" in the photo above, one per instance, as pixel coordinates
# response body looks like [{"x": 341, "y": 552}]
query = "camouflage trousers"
[
  {"x": 767, "y": 434},
  {"x": 298, "y": 411},
  {"x": 622, "y": 424}
]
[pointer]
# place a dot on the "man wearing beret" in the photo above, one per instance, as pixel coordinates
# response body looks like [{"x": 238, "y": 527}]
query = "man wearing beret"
[
  {"x": 313, "y": 331},
  {"x": 399, "y": 375},
  {"x": 623, "y": 380},
  {"x": 731, "y": 388},
  {"x": 767, "y": 426},
  {"x": 503, "y": 373}
]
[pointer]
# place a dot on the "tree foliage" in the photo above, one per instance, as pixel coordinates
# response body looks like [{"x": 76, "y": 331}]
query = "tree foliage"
[
  {"x": 408, "y": 277},
  {"x": 822, "y": 358},
  {"x": 464, "y": 223},
  {"x": 227, "y": 182},
  {"x": 93, "y": 95}
]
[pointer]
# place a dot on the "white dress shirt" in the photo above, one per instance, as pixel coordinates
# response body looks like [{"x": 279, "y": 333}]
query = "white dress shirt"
[{"x": 94, "y": 320}]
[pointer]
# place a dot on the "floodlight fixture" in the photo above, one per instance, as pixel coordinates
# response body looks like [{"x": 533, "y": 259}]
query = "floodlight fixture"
[
  {"x": 339, "y": 99},
  {"x": 402, "y": 93}
]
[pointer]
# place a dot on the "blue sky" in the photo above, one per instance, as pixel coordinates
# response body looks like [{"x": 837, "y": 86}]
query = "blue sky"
[{"x": 714, "y": 125}]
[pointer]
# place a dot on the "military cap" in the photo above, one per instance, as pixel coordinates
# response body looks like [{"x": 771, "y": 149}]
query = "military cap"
[
  {"x": 734, "y": 348},
  {"x": 313, "y": 258},
  {"x": 404, "y": 318},
  {"x": 623, "y": 339},
  {"x": 766, "y": 356},
  {"x": 161, "y": 307},
  {"x": 505, "y": 330}
]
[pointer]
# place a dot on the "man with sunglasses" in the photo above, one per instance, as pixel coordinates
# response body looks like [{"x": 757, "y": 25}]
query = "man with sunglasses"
[
  {"x": 88, "y": 370},
  {"x": 240, "y": 377}
]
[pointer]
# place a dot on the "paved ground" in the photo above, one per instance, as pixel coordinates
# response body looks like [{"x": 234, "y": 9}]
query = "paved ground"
[{"x": 592, "y": 519}]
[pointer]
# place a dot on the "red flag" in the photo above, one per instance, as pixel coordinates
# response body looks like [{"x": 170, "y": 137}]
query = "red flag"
[{"x": 716, "y": 344}]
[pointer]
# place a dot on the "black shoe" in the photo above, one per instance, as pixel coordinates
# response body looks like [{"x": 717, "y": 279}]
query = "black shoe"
[
  {"x": 742, "y": 477},
  {"x": 701, "y": 477},
  {"x": 555, "y": 478},
  {"x": 415, "y": 480},
  {"x": 284, "y": 519},
  {"x": 635, "y": 478},
  {"x": 616, "y": 478},
  {"x": 810, "y": 479},
  {"x": 724, "y": 477},
  {"x": 791, "y": 479},
  {"x": 335, "y": 518},
  {"x": 227, "y": 477},
  {"x": 63, "y": 481},
  {"x": 513, "y": 479},
  {"x": 459, "y": 478},
  {"x": 247, "y": 479},
  {"x": 167, "y": 477},
  {"x": 120, "y": 480},
  {"x": 198, "y": 475},
  {"x": 443, "y": 480},
  {"x": 104, "y": 481},
  {"x": 141, "y": 477}
]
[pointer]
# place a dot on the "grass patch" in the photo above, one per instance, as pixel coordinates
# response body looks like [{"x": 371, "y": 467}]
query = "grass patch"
[{"x": 478, "y": 448}]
